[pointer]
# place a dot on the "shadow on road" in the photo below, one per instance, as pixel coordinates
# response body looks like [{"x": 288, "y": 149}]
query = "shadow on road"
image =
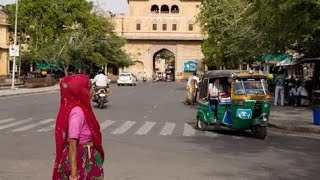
[{"x": 263, "y": 159}]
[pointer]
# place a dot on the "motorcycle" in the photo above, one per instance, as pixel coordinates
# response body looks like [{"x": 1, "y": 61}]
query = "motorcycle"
[
  {"x": 100, "y": 96},
  {"x": 156, "y": 79}
]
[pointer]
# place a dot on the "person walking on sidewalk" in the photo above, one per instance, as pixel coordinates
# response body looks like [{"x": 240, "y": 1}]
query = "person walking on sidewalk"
[
  {"x": 279, "y": 84},
  {"x": 79, "y": 151}
]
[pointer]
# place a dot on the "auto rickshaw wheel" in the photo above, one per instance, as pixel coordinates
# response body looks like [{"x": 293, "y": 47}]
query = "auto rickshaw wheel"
[
  {"x": 261, "y": 132},
  {"x": 200, "y": 124}
]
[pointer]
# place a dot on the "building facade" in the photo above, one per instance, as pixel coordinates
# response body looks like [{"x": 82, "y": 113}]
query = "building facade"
[
  {"x": 4, "y": 45},
  {"x": 153, "y": 26}
]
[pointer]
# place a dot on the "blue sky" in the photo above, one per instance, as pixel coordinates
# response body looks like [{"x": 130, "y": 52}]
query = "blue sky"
[{"x": 116, "y": 6}]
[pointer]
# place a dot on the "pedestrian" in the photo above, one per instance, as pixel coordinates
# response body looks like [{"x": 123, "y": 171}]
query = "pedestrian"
[
  {"x": 294, "y": 95},
  {"x": 79, "y": 151},
  {"x": 279, "y": 90},
  {"x": 197, "y": 81},
  {"x": 304, "y": 95},
  {"x": 192, "y": 88}
]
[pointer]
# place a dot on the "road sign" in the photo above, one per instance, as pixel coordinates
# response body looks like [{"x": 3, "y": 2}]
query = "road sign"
[
  {"x": 14, "y": 50},
  {"x": 190, "y": 66}
]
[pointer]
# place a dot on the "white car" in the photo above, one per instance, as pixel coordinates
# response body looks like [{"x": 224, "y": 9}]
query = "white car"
[{"x": 126, "y": 78}]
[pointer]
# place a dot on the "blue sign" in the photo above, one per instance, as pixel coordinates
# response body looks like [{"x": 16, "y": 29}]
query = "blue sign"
[{"x": 190, "y": 66}]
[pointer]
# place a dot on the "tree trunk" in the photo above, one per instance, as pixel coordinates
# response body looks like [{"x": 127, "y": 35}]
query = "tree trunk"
[
  {"x": 90, "y": 68},
  {"x": 65, "y": 69}
]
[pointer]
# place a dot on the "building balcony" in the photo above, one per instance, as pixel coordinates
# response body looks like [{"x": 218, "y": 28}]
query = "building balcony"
[{"x": 187, "y": 36}]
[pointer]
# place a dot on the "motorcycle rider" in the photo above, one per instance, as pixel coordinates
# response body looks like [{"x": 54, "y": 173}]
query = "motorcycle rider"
[{"x": 101, "y": 81}]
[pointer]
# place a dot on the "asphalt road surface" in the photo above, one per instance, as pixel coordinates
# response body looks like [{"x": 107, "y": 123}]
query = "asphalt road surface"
[{"x": 148, "y": 134}]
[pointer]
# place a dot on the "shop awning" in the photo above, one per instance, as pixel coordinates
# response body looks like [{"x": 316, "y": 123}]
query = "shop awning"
[
  {"x": 45, "y": 66},
  {"x": 276, "y": 58},
  {"x": 286, "y": 62}
]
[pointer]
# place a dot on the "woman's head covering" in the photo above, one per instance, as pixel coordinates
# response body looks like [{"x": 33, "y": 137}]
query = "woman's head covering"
[{"x": 75, "y": 92}]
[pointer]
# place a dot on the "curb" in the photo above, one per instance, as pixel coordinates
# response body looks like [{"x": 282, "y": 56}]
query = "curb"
[
  {"x": 27, "y": 93},
  {"x": 295, "y": 128}
]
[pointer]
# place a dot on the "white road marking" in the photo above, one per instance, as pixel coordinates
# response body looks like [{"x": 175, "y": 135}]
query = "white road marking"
[
  {"x": 46, "y": 129},
  {"x": 147, "y": 126},
  {"x": 30, "y": 126},
  {"x": 167, "y": 129},
  {"x": 6, "y": 120},
  {"x": 106, "y": 124},
  {"x": 188, "y": 130},
  {"x": 124, "y": 127},
  {"x": 16, "y": 123}
]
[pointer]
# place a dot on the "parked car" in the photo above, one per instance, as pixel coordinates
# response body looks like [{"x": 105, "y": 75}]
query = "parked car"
[{"x": 126, "y": 79}]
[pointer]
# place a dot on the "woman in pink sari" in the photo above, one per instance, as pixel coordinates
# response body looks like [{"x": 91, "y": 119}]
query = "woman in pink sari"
[{"x": 79, "y": 152}]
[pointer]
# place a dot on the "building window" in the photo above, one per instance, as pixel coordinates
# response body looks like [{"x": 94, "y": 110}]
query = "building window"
[
  {"x": 174, "y": 27},
  {"x": 154, "y": 9},
  {"x": 190, "y": 27},
  {"x": 138, "y": 27},
  {"x": 174, "y": 9},
  {"x": 164, "y": 9},
  {"x": 164, "y": 27},
  {"x": 154, "y": 27}
]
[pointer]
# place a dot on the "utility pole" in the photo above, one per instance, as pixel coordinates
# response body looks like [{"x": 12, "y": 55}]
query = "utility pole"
[{"x": 15, "y": 45}]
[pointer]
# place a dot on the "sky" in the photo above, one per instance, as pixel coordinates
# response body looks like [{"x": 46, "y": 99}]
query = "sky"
[{"x": 115, "y": 6}]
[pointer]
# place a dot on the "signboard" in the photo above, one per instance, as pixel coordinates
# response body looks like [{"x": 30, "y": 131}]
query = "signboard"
[
  {"x": 244, "y": 113},
  {"x": 14, "y": 50},
  {"x": 190, "y": 66}
]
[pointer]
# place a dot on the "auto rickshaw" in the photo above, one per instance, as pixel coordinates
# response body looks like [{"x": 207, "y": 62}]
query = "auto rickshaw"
[{"x": 245, "y": 107}]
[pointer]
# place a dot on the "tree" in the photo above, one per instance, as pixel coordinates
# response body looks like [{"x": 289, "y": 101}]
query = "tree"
[
  {"x": 165, "y": 54},
  {"x": 231, "y": 36},
  {"x": 242, "y": 30},
  {"x": 290, "y": 24},
  {"x": 68, "y": 32}
]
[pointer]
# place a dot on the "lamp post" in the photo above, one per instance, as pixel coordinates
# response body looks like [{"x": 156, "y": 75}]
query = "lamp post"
[{"x": 15, "y": 44}]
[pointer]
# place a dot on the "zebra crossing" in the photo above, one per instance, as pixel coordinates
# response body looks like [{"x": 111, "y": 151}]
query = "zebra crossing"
[{"x": 138, "y": 128}]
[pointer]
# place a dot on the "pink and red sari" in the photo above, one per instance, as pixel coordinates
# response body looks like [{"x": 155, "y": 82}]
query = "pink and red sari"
[{"x": 75, "y": 92}]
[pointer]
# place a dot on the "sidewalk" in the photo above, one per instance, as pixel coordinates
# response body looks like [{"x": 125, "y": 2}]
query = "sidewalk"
[
  {"x": 21, "y": 91},
  {"x": 293, "y": 119}
]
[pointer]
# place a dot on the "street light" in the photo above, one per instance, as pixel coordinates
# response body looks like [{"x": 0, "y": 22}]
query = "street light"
[{"x": 15, "y": 44}]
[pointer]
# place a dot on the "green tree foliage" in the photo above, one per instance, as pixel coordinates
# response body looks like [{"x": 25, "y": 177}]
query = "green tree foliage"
[
  {"x": 228, "y": 25},
  {"x": 165, "y": 54},
  {"x": 290, "y": 24},
  {"x": 68, "y": 32},
  {"x": 241, "y": 30}
]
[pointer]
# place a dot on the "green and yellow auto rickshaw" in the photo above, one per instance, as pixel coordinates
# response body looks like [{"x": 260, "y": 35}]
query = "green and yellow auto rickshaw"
[{"x": 242, "y": 103}]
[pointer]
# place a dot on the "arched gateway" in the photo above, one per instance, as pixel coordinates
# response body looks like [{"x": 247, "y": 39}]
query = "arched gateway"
[
  {"x": 150, "y": 30},
  {"x": 164, "y": 63}
]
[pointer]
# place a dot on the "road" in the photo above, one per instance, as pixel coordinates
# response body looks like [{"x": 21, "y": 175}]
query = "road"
[{"x": 148, "y": 135}]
